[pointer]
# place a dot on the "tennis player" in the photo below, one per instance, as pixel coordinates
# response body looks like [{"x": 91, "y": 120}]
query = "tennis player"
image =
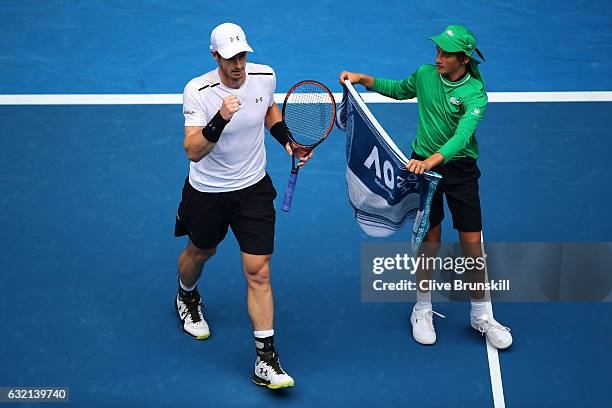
[
  {"x": 225, "y": 113},
  {"x": 451, "y": 102}
]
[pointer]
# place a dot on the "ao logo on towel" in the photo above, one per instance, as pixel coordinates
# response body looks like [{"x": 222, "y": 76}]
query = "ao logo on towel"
[
  {"x": 386, "y": 173},
  {"x": 387, "y": 169}
]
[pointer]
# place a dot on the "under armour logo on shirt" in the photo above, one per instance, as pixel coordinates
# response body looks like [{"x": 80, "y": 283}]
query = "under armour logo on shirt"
[
  {"x": 234, "y": 38},
  {"x": 260, "y": 99}
]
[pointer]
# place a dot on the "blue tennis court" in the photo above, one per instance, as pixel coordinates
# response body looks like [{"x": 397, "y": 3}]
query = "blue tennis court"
[{"x": 90, "y": 193}]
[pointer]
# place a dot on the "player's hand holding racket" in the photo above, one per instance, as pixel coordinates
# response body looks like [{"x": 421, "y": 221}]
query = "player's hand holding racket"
[
  {"x": 309, "y": 112},
  {"x": 300, "y": 153}
]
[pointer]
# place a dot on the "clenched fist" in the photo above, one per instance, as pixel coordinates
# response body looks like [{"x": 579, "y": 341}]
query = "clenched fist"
[{"x": 230, "y": 105}]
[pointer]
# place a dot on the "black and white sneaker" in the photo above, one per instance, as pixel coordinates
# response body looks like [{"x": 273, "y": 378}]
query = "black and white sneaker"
[
  {"x": 269, "y": 373},
  {"x": 189, "y": 308}
]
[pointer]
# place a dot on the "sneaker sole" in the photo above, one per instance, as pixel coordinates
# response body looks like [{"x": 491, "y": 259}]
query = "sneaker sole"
[
  {"x": 501, "y": 347},
  {"x": 264, "y": 383},
  {"x": 424, "y": 342},
  {"x": 202, "y": 337}
]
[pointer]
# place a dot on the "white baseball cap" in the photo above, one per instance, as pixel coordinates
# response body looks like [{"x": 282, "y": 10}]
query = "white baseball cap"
[{"x": 228, "y": 39}]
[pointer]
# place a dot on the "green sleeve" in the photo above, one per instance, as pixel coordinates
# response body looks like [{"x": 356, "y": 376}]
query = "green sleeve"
[
  {"x": 404, "y": 89},
  {"x": 474, "y": 111}
]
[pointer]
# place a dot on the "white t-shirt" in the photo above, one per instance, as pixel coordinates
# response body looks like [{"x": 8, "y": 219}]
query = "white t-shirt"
[{"x": 238, "y": 159}]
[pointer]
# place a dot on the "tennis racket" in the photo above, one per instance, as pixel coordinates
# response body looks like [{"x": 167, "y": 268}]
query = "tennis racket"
[{"x": 309, "y": 111}]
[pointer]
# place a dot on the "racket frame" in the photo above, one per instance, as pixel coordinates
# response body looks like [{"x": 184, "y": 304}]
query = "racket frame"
[
  {"x": 333, "y": 101},
  {"x": 294, "y": 169}
]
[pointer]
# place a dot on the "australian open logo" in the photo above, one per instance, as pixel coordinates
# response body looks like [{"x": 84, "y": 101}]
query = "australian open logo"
[{"x": 454, "y": 101}]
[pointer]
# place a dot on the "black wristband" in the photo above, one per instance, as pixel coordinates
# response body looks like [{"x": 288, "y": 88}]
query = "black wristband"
[
  {"x": 212, "y": 131},
  {"x": 280, "y": 132}
]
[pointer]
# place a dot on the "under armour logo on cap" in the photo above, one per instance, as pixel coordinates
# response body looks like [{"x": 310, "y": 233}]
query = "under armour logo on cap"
[
  {"x": 228, "y": 39},
  {"x": 260, "y": 99}
]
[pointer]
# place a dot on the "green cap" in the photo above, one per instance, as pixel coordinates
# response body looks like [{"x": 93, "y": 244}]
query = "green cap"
[{"x": 456, "y": 38}]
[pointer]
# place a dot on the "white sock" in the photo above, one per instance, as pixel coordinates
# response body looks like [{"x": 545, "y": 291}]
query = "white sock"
[
  {"x": 479, "y": 308},
  {"x": 262, "y": 334},
  {"x": 423, "y": 301},
  {"x": 185, "y": 287},
  {"x": 264, "y": 341}
]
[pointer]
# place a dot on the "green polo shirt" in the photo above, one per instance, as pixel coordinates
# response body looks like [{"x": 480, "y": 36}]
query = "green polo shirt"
[{"x": 449, "y": 112}]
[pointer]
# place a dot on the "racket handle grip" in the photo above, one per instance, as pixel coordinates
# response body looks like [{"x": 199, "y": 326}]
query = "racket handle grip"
[{"x": 289, "y": 192}]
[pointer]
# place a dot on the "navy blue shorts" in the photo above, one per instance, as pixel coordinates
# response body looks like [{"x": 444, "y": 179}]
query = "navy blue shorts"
[{"x": 460, "y": 186}]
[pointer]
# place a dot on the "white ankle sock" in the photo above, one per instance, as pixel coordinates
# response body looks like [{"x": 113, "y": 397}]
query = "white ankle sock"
[
  {"x": 479, "y": 308},
  {"x": 262, "y": 334},
  {"x": 185, "y": 287},
  {"x": 423, "y": 301}
]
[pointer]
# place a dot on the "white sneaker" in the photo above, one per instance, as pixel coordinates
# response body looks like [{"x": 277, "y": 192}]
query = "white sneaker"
[
  {"x": 497, "y": 335},
  {"x": 422, "y": 326},
  {"x": 269, "y": 373},
  {"x": 189, "y": 310}
]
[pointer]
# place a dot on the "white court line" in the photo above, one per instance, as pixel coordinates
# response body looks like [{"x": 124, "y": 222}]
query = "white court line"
[
  {"x": 497, "y": 386},
  {"x": 92, "y": 99},
  {"x": 368, "y": 97},
  {"x": 588, "y": 96}
]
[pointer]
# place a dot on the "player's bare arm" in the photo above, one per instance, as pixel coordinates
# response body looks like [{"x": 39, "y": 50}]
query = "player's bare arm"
[{"x": 196, "y": 144}]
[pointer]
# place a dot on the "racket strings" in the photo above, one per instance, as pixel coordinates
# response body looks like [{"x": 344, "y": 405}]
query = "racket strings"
[{"x": 309, "y": 113}]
